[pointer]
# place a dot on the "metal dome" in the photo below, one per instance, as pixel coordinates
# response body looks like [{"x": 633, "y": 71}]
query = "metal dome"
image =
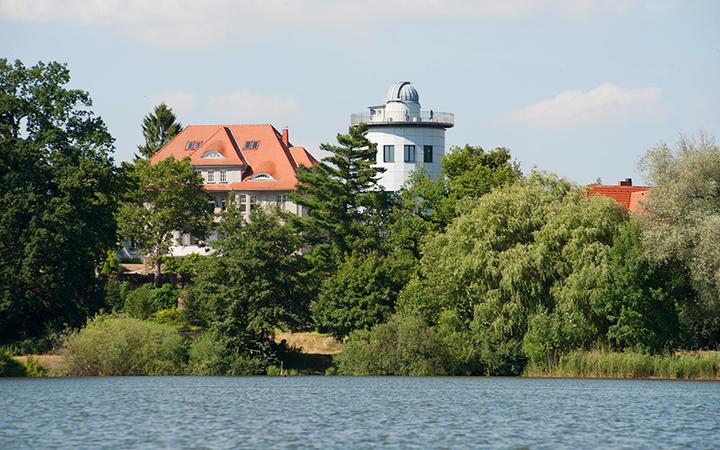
[{"x": 403, "y": 91}]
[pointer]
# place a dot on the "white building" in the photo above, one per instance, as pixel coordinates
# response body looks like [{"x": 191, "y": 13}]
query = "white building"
[
  {"x": 406, "y": 137},
  {"x": 256, "y": 163}
]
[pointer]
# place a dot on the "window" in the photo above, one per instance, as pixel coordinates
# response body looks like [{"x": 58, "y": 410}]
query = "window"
[
  {"x": 223, "y": 204},
  {"x": 189, "y": 145},
  {"x": 427, "y": 153},
  {"x": 388, "y": 153},
  {"x": 242, "y": 204},
  {"x": 253, "y": 201},
  {"x": 261, "y": 177},
  {"x": 409, "y": 153},
  {"x": 251, "y": 144},
  {"x": 210, "y": 176},
  {"x": 213, "y": 205},
  {"x": 281, "y": 199},
  {"x": 223, "y": 176},
  {"x": 197, "y": 144}
]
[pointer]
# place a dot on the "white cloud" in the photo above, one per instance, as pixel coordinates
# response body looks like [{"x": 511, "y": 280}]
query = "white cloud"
[
  {"x": 606, "y": 102},
  {"x": 192, "y": 22},
  {"x": 179, "y": 101},
  {"x": 245, "y": 105}
]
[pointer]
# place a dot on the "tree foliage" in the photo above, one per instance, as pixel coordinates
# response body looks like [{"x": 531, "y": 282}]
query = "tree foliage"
[
  {"x": 681, "y": 222},
  {"x": 345, "y": 207},
  {"x": 58, "y": 190},
  {"x": 158, "y": 127},
  {"x": 169, "y": 197},
  {"x": 255, "y": 283}
]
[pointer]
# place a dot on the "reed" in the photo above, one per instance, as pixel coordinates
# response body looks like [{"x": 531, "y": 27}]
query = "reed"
[{"x": 605, "y": 364}]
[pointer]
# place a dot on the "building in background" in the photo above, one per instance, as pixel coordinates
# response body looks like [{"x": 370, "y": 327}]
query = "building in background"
[
  {"x": 406, "y": 137},
  {"x": 631, "y": 197},
  {"x": 255, "y": 162}
]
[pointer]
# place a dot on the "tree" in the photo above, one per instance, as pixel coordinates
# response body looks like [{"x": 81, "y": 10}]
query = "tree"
[
  {"x": 360, "y": 295},
  {"x": 642, "y": 297},
  {"x": 58, "y": 186},
  {"x": 169, "y": 197},
  {"x": 536, "y": 245},
  {"x": 346, "y": 208},
  {"x": 427, "y": 205},
  {"x": 681, "y": 223},
  {"x": 255, "y": 283},
  {"x": 159, "y": 127}
]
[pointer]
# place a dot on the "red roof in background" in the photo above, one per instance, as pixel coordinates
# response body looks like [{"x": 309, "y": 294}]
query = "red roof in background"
[
  {"x": 628, "y": 196},
  {"x": 272, "y": 156}
]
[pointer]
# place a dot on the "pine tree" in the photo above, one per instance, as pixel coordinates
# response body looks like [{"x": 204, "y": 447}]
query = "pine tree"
[
  {"x": 341, "y": 195},
  {"x": 159, "y": 127}
]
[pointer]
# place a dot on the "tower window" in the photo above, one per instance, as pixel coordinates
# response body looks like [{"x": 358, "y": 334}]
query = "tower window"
[
  {"x": 388, "y": 153},
  {"x": 409, "y": 153},
  {"x": 427, "y": 154}
]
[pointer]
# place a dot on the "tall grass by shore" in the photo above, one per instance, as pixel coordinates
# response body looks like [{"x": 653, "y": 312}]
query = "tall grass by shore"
[{"x": 604, "y": 364}]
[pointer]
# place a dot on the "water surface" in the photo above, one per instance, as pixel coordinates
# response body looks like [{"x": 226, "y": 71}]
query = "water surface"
[{"x": 345, "y": 413}]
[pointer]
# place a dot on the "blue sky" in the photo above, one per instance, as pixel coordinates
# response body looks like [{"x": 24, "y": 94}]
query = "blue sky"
[{"x": 578, "y": 87}]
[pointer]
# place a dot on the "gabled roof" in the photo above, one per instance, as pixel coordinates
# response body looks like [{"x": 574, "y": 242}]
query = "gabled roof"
[
  {"x": 628, "y": 196},
  {"x": 225, "y": 145}
]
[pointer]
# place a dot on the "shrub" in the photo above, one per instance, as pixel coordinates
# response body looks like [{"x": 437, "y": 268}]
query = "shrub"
[
  {"x": 213, "y": 354},
  {"x": 405, "y": 345},
  {"x": 33, "y": 367},
  {"x": 116, "y": 293},
  {"x": 9, "y": 367},
  {"x": 147, "y": 300},
  {"x": 119, "y": 345},
  {"x": 111, "y": 264}
]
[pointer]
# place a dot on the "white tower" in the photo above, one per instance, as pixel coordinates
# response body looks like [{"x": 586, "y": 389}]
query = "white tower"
[{"x": 406, "y": 137}]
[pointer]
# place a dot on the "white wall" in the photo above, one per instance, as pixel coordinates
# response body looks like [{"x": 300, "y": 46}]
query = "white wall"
[{"x": 398, "y": 171}]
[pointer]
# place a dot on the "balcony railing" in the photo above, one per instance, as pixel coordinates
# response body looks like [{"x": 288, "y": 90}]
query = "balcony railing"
[{"x": 432, "y": 118}]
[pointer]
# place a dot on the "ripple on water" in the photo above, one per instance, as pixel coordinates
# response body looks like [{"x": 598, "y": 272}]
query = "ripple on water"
[{"x": 334, "y": 412}]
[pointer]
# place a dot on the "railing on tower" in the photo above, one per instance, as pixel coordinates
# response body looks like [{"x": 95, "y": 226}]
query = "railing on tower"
[{"x": 381, "y": 117}]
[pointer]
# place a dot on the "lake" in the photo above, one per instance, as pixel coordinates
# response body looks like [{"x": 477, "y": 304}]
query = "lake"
[{"x": 346, "y": 413}]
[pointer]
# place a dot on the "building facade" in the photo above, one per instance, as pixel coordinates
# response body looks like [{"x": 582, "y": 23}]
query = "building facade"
[
  {"x": 406, "y": 136},
  {"x": 256, "y": 163}
]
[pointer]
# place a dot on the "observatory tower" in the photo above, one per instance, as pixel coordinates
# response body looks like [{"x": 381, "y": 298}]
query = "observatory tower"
[{"x": 406, "y": 137}]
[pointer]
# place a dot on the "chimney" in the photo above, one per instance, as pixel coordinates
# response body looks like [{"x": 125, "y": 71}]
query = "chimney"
[
  {"x": 286, "y": 136},
  {"x": 626, "y": 182}
]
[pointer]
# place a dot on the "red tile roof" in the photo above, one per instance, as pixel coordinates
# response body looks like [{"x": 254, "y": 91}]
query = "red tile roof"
[
  {"x": 628, "y": 196},
  {"x": 272, "y": 156}
]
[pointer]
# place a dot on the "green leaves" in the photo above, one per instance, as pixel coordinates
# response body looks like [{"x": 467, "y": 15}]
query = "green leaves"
[
  {"x": 169, "y": 197},
  {"x": 159, "y": 127},
  {"x": 58, "y": 191}
]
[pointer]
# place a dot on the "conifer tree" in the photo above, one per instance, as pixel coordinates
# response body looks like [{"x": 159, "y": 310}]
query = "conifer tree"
[
  {"x": 159, "y": 127},
  {"x": 344, "y": 203}
]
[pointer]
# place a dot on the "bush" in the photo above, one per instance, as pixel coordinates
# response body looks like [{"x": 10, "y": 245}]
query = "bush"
[
  {"x": 116, "y": 293},
  {"x": 213, "y": 354},
  {"x": 9, "y": 367},
  {"x": 147, "y": 300},
  {"x": 119, "y": 345},
  {"x": 182, "y": 264},
  {"x": 33, "y": 367},
  {"x": 403, "y": 346}
]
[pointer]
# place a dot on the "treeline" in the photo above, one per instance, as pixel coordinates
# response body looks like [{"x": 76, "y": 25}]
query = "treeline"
[{"x": 480, "y": 270}]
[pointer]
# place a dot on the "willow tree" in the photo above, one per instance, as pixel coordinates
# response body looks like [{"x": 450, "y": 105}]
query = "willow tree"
[
  {"x": 159, "y": 127},
  {"x": 681, "y": 223}
]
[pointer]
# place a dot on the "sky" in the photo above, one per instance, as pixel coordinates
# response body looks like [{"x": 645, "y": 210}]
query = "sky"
[{"x": 581, "y": 88}]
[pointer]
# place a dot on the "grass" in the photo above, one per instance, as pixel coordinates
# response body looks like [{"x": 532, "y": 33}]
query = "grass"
[{"x": 604, "y": 364}]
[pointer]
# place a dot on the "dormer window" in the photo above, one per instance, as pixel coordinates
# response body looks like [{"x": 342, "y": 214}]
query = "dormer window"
[
  {"x": 261, "y": 177},
  {"x": 211, "y": 154},
  {"x": 251, "y": 145}
]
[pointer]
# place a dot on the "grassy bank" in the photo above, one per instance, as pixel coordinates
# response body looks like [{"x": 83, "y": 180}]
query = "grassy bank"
[{"x": 602, "y": 364}]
